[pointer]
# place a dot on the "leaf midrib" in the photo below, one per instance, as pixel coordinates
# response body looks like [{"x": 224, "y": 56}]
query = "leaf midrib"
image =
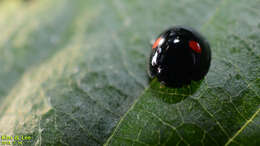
[{"x": 131, "y": 108}]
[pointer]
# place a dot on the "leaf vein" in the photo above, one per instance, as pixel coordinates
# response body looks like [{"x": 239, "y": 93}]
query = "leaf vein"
[
  {"x": 168, "y": 125},
  {"x": 243, "y": 127}
]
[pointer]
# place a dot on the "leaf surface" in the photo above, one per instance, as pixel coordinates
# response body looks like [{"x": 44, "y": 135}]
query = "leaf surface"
[{"x": 74, "y": 73}]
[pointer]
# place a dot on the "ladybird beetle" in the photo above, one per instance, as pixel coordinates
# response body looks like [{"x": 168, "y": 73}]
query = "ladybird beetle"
[{"x": 179, "y": 55}]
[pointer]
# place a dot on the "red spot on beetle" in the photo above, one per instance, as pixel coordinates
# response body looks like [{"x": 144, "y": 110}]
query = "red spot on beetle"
[
  {"x": 156, "y": 43},
  {"x": 195, "y": 46}
]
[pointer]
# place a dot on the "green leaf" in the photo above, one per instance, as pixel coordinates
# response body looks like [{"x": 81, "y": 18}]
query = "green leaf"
[{"x": 74, "y": 73}]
